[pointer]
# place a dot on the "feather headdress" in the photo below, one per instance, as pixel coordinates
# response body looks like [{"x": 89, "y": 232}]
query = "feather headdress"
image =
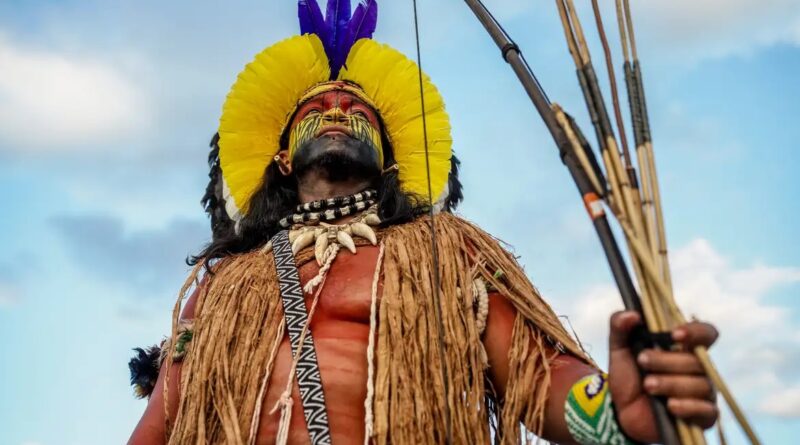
[{"x": 335, "y": 46}]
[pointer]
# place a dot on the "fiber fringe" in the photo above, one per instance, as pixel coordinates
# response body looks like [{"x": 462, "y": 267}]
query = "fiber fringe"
[
  {"x": 237, "y": 316},
  {"x": 239, "y": 313}
]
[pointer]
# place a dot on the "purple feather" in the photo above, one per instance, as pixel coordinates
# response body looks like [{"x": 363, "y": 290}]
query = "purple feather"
[
  {"x": 337, "y": 18},
  {"x": 338, "y": 30},
  {"x": 361, "y": 26},
  {"x": 311, "y": 20},
  {"x": 337, "y": 13},
  {"x": 363, "y": 23}
]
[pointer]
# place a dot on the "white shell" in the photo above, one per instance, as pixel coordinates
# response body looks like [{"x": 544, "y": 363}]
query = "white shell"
[
  {"x": 319, "y": 248},
  {"x": 372, "y": 219},
  {"x": 346, "y": 241},
  {"x": 304, "y": 240},
  {"x": 364, "y": 231},
  {"x": 295, "y": 233},
  {"x": 267, "y": 247}
]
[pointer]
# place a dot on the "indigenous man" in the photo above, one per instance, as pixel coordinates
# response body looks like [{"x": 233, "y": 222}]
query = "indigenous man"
[{"x": 323, "y": 315}]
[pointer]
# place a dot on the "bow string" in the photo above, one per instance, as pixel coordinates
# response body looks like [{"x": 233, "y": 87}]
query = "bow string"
[{"x": 435, "y": 278}]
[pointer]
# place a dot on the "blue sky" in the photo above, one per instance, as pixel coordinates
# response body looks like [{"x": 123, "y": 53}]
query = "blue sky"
[{"x": 106, "y": 110}]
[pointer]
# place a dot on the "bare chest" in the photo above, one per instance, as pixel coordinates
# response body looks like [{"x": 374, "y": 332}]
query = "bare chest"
[
  {"x": 340, "y": 326},
  {"x": 347, "y": 292}
]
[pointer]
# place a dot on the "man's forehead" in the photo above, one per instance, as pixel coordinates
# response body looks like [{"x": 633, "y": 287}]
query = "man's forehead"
[
  {"x": 330, "y": 90},
  {"x": 334, "y": 97}
]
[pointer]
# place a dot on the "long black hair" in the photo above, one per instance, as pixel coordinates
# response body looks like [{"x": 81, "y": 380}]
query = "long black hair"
[{"x": 277, "y": 197}]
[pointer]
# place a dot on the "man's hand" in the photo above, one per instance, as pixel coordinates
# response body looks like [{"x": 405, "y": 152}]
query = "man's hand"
[{"x": 678, "y": 376}]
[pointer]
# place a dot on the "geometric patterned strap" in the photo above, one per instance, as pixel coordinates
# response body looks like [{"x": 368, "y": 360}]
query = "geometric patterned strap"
[
  {"x": 590, "y": 415},
  {"x": 294, "y": 309}
]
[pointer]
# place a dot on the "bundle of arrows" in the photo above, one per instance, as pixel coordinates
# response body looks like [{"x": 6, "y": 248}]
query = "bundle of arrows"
[{"x": 629, "y": 190}]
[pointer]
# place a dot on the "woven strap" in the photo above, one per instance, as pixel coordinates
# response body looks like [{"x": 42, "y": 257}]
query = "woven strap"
[{"x": 294, "y": 309}]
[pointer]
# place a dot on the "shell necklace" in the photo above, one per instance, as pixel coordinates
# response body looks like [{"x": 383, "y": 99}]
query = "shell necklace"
[{"x": 328, "y": 238}]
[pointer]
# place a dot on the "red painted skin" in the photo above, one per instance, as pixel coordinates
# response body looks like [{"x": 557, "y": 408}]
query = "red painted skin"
[
  {"x": 347, "y": 102},
  {"x": 341, "y": 329}
]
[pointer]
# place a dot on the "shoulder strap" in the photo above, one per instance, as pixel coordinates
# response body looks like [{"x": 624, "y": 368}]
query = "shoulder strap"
[{"x": 294, "y": 308}]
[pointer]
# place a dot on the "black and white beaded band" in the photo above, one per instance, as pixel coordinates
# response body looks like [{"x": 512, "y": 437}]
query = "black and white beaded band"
[
  {"x": 327, "y": 215},
  {"x": 337, "y": 202}
]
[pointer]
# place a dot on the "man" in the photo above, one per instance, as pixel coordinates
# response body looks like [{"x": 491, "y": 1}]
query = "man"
[{"x": 326, "y": 316}]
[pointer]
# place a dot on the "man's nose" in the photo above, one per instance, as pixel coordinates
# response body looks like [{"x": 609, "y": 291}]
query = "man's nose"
[{"x": 335, "y": 116}]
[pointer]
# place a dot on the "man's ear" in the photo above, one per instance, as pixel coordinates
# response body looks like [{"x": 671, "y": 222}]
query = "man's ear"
[{"x": 284, "y": 163}]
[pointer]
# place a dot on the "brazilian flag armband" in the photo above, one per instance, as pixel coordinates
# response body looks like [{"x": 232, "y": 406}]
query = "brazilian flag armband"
[{"x": 590, "y": 415}]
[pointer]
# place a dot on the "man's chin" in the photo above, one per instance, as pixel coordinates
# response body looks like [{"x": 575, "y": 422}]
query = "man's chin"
[
  {"x": 337, "y": 159},
  {"x": 339, "y": 164}
]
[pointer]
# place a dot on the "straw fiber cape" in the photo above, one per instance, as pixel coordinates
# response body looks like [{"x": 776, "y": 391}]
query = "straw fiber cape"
[{"x": 239, "y": 322}]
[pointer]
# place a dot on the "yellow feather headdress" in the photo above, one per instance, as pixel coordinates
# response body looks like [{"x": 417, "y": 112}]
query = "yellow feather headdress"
[{"x": 267, "y": 92}]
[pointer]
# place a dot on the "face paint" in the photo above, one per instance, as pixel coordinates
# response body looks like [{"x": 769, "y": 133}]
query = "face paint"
[{"x": 336, "y": 111}]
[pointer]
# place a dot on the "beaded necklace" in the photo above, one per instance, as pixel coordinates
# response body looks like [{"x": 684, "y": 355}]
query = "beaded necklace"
[
  {"x": 311, "y": 213},
  {"x": 308, "y": 226}
]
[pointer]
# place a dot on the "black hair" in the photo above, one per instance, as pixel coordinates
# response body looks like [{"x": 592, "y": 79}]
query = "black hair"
[
  {"x": 213, "y": 201},
  {"x": 277, "y": 197}
]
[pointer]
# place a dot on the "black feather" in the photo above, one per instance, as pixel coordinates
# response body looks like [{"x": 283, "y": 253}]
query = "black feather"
[
  {"x": 213, "y": 202},
  {"x": 455, "y": 189},
  {"x": 144, "y": 367}
]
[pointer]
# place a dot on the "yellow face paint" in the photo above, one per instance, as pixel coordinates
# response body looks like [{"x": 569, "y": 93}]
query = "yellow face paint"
[{"x": 336, "y": 107}]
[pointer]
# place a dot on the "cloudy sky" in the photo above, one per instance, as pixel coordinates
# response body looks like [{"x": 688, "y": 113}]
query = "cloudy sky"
[{"x": 106, "y": 110}]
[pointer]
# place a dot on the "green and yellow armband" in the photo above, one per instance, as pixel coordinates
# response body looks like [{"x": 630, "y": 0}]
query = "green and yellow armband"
[{"x": 589, "y": 414}]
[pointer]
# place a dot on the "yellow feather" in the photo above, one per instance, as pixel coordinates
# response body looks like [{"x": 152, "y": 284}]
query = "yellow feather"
[
  {"x": 258, "y": 108},
  {"x": 392, "y": 81}
]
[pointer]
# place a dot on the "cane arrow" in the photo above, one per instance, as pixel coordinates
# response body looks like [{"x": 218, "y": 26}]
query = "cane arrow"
[
  {"x": 567, "y": 149},
  {"x": 655, "y": 216}
]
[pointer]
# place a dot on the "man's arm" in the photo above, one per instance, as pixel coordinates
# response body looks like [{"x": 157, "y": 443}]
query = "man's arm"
[
  {"x": 677, "y": 376},
  {"x": 151, "y": 429},
  {"x": 566, "y": 369}
]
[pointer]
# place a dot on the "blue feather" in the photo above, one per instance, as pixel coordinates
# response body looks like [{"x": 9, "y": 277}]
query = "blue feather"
[
  {"x": 311, "y": 20},
  {"x": 361, "y": 26},
  {"x": 363, "y": 23},
  {"x": 339, "y": 30},
  {"x": 337, "y": 18}
]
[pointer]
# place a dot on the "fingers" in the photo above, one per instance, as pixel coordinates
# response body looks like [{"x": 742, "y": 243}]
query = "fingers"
[
  {"x": 657, "y": 361},
  {"x": 625, "y": 384},
  {"x": 621, "y": 325},
  {"x": 700, "y": 412},
  {"x": 695, "y": 334},
  {"x": 677, "y": 376},
  {"x": 679, "y": 386}
]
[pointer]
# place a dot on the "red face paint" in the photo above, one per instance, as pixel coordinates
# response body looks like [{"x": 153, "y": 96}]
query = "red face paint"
[
  {"x": 346, "y": 102},
  {"x": 335, "y": 111}
]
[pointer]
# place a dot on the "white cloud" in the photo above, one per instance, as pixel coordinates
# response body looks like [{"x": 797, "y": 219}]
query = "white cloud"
[
  {"x": 784, "y": 402},
  {"x": 589, "y": 316},
  {"x": 694, "y": 29},
  {"x": 682, "y": 30},
  {"x": 55, "y": 102},
  {"x": 8, "y": 295},
  {"x": 757, "y": 337},
  {"x": 709, "y": 287}
]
